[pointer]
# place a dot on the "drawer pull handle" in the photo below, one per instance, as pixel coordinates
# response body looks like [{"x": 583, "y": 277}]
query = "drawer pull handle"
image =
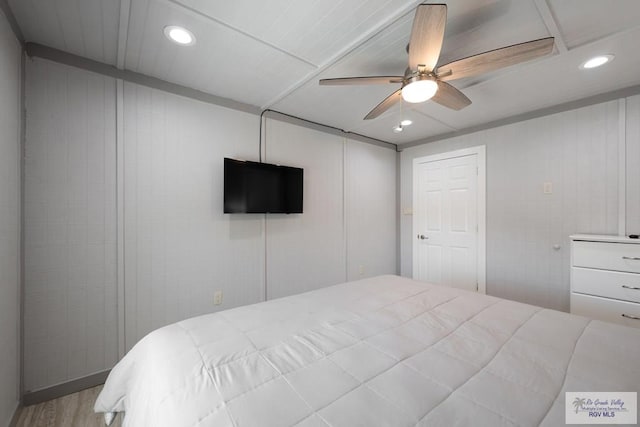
[
  {"x": 631, "y": 287},
  {"x": 630, "y": 317},
  {"x": 632, "y": 258}
]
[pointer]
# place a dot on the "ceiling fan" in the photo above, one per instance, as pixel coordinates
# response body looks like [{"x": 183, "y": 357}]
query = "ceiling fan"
[{"x": 424, "y": 80}]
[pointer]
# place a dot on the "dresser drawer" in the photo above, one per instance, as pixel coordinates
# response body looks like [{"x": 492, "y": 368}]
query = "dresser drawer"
[
  {"x": 610, "y": 284},
  {"x": 607, "y": 256},
  {"x": 606, "y": 310}
]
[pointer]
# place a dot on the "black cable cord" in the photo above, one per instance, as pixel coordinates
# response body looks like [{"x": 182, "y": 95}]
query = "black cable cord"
[
  {"x": 346, "y": 132},
  {"x": 260, "y": 135}
]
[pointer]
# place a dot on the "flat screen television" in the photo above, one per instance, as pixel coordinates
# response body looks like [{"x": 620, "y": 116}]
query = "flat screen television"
[{"x": 252, "y": 187}]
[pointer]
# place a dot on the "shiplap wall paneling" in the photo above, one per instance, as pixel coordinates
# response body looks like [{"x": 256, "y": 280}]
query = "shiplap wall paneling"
[
  {"x": 10, "y": 81},
  {"x": 179, "y": 246},
  {"x": 307, "y": 251},
  {"x": 633, "y": 164},
  {"x": 70, "y": 221},
  {"x": 370, "y": 174},
  {"x": 87, "y": 28},
  {"x": 577, "y": 151}
]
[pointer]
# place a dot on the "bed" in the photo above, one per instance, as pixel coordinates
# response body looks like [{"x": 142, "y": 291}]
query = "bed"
[{"x": 384, "y": 351}]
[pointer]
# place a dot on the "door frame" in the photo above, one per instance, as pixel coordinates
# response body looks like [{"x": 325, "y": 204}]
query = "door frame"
[{"x": 480, "y": 152}]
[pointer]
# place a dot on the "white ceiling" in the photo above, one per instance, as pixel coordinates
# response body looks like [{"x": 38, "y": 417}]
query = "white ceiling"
[{"x": 271, "y": 54}]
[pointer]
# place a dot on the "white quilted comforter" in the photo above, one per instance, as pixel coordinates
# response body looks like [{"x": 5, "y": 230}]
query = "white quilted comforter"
[{"x": 386, "y": 351}]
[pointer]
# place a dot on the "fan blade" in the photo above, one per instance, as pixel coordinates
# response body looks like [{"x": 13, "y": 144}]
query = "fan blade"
[
  {"x": 450, "y": 97},
  {"x": 361, "y": 80},
  {"x": 427, "y": 34},
  {"x": 495, "y": 59},
  {"x": 388, "y": 102}
]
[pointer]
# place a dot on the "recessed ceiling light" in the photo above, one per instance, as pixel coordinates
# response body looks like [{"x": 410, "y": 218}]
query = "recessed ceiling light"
[
  {"x": 596, "y": 61},
  {"x": 406, "y": 122},
  {"x": 179, "y": 35},
  {"x": 397, "y": 129}
]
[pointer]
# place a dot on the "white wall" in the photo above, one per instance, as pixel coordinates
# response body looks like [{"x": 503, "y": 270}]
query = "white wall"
[
  {"x": 575, "y": 150},
  {"x": 178, "y": 247},
  {"x": 307, "y": 251},
  {"x": 371, "y": 210},
  {"x": 10, "y": 82},
  {"x": 70, "y": 221},
  {"x": 348, "y": 230}
]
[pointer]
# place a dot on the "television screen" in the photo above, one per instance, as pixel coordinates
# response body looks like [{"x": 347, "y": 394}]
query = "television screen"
[{"x": 252, "y": 187}]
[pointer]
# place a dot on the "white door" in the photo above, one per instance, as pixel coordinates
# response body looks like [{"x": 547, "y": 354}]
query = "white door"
[{"x": 446, "y": 222}]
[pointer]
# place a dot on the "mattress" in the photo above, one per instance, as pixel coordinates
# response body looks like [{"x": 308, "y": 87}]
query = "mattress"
[{"x": 384, "y": 351}]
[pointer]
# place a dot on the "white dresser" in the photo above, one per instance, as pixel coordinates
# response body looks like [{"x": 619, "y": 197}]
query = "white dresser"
[{"x": 605, "y": 278}]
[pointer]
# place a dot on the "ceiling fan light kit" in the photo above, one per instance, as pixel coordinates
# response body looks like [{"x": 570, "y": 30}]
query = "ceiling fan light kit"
[
  {"x": 419, "y": 89},
  {"x": 424, "y": 79}
]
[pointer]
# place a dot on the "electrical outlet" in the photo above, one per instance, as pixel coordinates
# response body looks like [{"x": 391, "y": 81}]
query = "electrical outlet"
[
  {"x": 217, "y": 298},
  {"x": 361, "y": 270},
  {"x": 547, "y": 188}
]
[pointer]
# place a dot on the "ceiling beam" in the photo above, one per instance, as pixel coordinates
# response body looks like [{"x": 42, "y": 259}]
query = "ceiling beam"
[
  {"x": 547, "y": 111},
  {"x": 62, "y": 57},
  {"x": 399, "y": 14},
  {"x": 552, "y": 25}
]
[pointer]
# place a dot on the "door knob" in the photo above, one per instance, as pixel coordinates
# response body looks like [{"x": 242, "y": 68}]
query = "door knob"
[{"x": 422, "y": 237}]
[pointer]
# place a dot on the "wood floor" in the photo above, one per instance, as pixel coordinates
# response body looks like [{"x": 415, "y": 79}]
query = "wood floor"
[{"x": 75, "y": 410}]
